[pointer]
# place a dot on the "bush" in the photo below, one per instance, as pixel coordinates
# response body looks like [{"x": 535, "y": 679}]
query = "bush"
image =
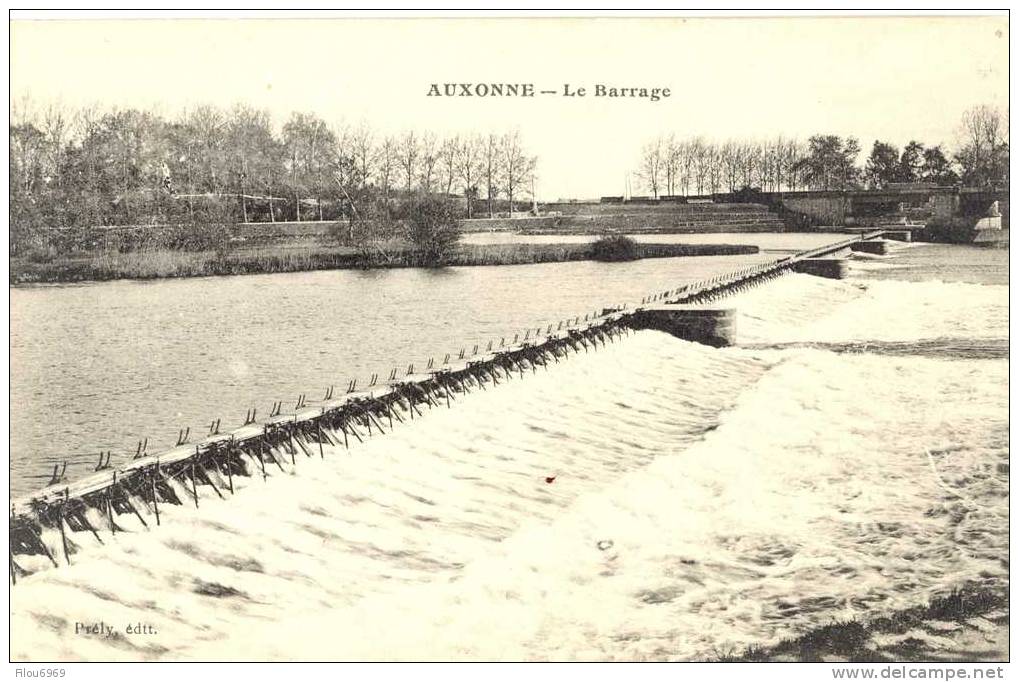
[
  {"x": 614, "y": 248},
  {"x": 433, "y": 226}
]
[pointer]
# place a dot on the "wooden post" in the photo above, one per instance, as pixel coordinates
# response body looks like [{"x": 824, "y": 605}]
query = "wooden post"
[
  {"x": 229, "y": 472},
  {"x": 301, "y": 444},
  {"x": 274, "y": 460},
  {"x": 356, "y": 434},
  {"x": 88, "y": 524},
  {"x": 261, "y": 460},
  {"x": 14, "y": 572},
  {"x": 63, "y": 535},
  {"x": 194, "y": 482},
  {"x": 127, "y": 498},
  {"x": 208, "y": 478},
  {"x": 376, "y": 421},
  {"x": 109, "y": 513},
  {"x": 321, "y": 454},
  {"x": 44, "y": 547},
  {"x": 155, "y": 498}
]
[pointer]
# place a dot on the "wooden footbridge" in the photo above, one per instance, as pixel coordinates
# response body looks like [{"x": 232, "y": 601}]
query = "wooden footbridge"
[{"x": 45, "y": 523}]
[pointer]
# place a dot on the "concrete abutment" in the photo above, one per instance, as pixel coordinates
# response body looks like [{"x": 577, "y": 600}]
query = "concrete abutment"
[
  {"x": 832, "y": 268},
  {"x": 710, "y": 326}
]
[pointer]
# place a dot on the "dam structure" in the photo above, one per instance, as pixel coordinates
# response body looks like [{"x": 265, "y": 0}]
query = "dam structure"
[{"x": 43, "y": 527}]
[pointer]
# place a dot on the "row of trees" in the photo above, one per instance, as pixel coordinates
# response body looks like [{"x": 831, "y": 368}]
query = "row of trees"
[
  {"x": 670, "y": 165},
  {"x": 128, "y": 167}
]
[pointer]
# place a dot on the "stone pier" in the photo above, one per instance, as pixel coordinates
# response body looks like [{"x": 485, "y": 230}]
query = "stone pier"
[
  {"x": 710, "y": 326},
  {"x": 878, "y": 247},
  {"x": 832, "y": 268}
]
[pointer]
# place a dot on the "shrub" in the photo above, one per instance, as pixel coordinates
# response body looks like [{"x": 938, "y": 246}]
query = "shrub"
[
  {"x": 614, "y": 248},
  {"x": 433, "y": 226}
]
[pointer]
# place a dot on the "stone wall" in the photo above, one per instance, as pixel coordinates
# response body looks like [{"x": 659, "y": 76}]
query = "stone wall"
[
  {"x": 507, "y": 224},
  {"x": 821, "y": 208}
]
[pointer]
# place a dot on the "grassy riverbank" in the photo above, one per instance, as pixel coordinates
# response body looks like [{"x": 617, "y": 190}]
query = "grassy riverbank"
[
  {"x": 970, "y": 624},
  {"x": 155, "y": 263}
]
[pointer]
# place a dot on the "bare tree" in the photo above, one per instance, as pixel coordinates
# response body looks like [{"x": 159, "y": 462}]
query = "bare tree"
[
  {"x": 490, "y": 169},
  {"x": 730, "y": 158},
  {"x": 407, "y": 151},
  {"x": 516, "y": 165},
  {"x": 749, "y": 159},
  {"x": 649, "y": 167},
  {"x": 714, "y": 161},
  {"x": 984, "y": 147},
  {"x": 468, "y": 159},
  {"x": 429, "y": 162},
  {"x": 447, "y": 161},
  {"x": 688, "y": 164},
  {"x": 311, "y": 146},
  {"x": 387, "y": 163},
  {"x": 671, "y": 160},
  {"x": 792, "y": 153},
  {"x": 361, "y": 148}
]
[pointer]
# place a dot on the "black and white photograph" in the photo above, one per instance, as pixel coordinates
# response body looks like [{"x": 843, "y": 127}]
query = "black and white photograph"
[{"x": 510, "y": 337}]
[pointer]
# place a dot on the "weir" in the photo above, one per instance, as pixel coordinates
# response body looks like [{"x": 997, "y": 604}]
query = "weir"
[{"x": 187, "y": 472}]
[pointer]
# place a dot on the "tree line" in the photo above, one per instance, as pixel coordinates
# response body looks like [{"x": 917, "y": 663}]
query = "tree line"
[
  {"x": 208, "y": 166},
  {"x": 670, "y": 165}
]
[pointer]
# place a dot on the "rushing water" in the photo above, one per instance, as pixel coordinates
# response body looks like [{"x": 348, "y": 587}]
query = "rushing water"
[{"x": 848, "y": 459}]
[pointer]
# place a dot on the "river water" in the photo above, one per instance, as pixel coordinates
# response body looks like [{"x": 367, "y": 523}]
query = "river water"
[
  {"x": 101, "y": 366},
  {"x": 849, "y": 458}
]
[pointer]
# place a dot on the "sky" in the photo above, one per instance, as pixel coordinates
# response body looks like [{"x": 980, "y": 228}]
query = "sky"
[{"x": 888, "y": 78}]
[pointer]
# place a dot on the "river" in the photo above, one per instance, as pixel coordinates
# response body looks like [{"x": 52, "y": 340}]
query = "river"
[
  {"x": 849, "y": 458},
  {"x": 101, "y": 366}
]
